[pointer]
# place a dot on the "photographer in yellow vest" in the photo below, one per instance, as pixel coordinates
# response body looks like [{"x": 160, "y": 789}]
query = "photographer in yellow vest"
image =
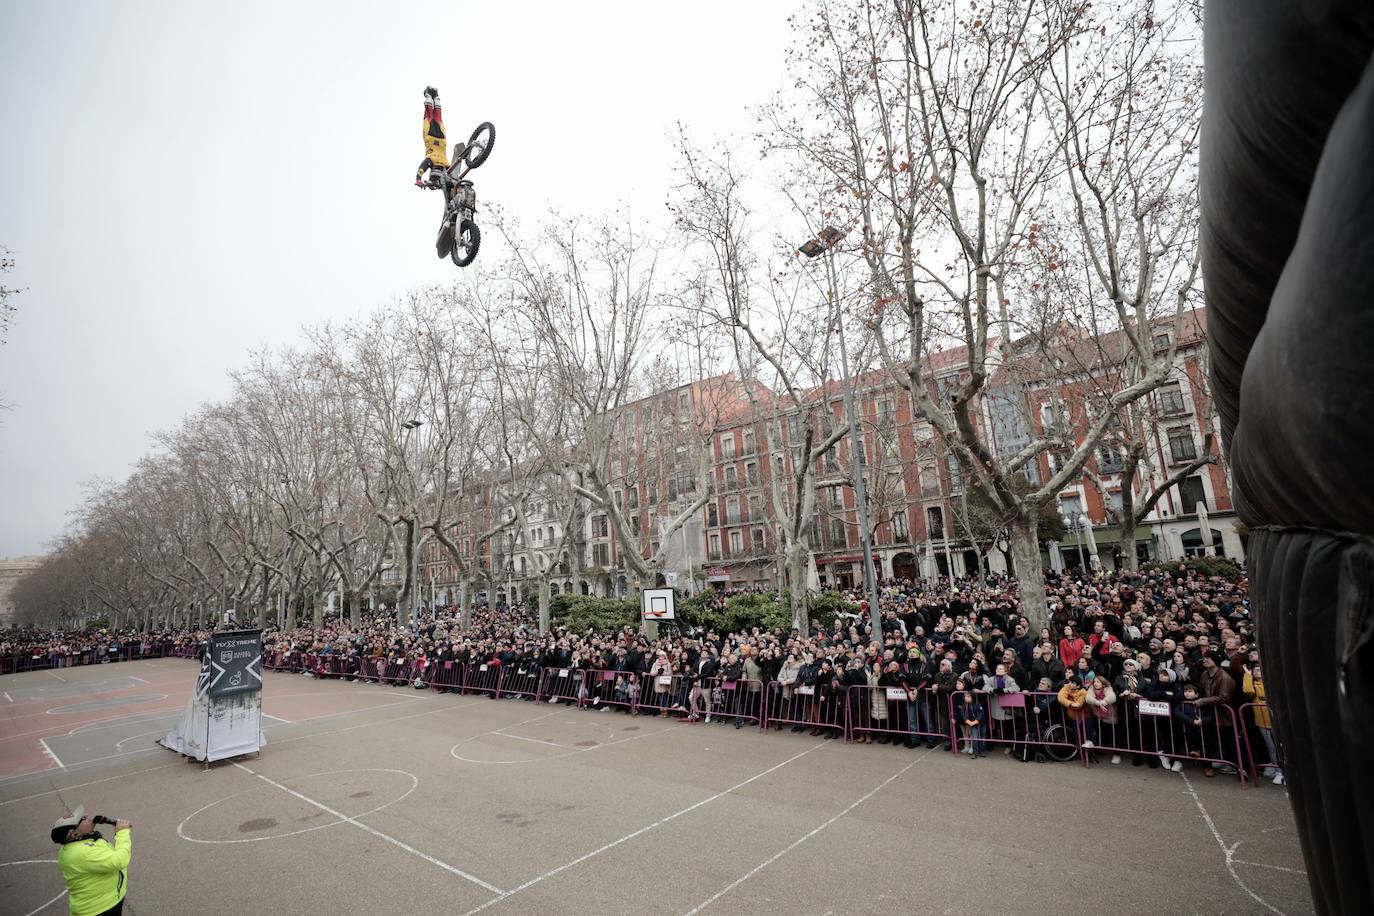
[{"x": 96, "y": 870}]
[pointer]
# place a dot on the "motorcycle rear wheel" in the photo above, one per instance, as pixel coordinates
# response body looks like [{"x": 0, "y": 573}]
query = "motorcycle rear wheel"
[{"x": 466, "y": 243}]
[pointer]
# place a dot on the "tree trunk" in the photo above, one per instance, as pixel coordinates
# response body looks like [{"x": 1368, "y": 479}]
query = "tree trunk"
[
  {"x": 1030, "y": 575},
  {"x": 1129, "y": 558},
  {"x": 796, "y": 586},
  {"x": 465, "y": 604},
  {"x": 290, "y": 611},
  {"x": 543, "y": 606},
  {"x": 355, "y": 612}
]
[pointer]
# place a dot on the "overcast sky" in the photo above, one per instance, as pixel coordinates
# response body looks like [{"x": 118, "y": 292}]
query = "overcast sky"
[{"x": 182, "y": 182}]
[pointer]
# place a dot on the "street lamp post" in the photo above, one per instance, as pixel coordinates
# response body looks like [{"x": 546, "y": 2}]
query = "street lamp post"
[
  {"x": 409, "y": 426},
  {"x": 825, "y": 243}
]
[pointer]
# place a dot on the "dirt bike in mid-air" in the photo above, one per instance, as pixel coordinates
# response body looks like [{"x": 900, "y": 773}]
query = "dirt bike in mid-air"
[{"x": 459, "y": 238}]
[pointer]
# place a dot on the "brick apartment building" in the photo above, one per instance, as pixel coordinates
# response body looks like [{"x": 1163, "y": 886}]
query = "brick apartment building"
[{"x": 919, "y": 511}]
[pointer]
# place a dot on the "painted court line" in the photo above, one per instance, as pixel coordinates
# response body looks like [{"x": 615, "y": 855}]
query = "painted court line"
[
  {"x": 642, "y": 830},
  {"x": 139, "y": 679},
  {"x": 523, "y": 738},
  {"x": 47, "y": 750},
  {"x": 375, "y": 832},
  {"x": 1227, "y": 851},
  {"x": 82, "y": 785},
  {"x": 782, "y": 852},
  {"x": 277, "y": 719},
  {"x": 59, "y": 677}
]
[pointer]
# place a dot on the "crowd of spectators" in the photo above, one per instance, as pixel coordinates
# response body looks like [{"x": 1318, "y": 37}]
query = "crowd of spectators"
[
  {"x": 1185, "y": 639},
  {"x": 955, "y": 648}
]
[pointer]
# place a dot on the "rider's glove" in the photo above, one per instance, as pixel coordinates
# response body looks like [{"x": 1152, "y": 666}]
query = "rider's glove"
[{"x": 419, "y": 183}]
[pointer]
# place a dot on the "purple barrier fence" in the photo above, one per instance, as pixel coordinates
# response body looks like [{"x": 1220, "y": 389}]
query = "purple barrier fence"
[
  {"x": 739, "y": 699},
  {"x": 1029, "y": 724},
  {"x": 609, "y": 688},
  {"x": 664, "y": 694},
  {"x": 520, "y": 682},
  {"x": 1264, "y": 756},
  {"x": 1182, "y": 731},
  {"x": 804, "y": 706},
  {"x": 446, "y": 676},
  {"x": 482, "y": 677},
  {"x": 914, "y": 715},
  {"x": 560, "y": 684}
]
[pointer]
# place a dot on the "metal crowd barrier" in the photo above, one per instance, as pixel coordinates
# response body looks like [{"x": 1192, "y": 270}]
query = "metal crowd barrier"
[
  {"x": 920, "y": 715},
  {"x": 806, "y": 705},
  {"x": 482, "y": 677},
  {"x": 1259, "y": 755},
  {"x": 520, "y": 682},
  {"x": 608, "y": 687},
  {"x": 740, "y": 699},
  {"x": 122, "y": 652},
  {"x": 560, "y": 684},
  {"x": 1166, "y": 730}
]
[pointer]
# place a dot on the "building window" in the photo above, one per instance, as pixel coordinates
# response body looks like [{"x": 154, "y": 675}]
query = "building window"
[
  {"x": 885, "y": 411},
  {"x": 736, "y": 543},
  {"x": 755, "y": 509},
  {"x": 634, "y": 525},
  {"x": 601, "y": 555},
  {"x": 731, "y": 478},
  {"x": 714, "y": 551},
  {"x": 837, "y": 497},
  {"x": 899, "y": 529},
  {"x": 1115, "y": 501},
  {"x": 832, "y": 459},
  {"x": 732, "y": 510},
  {"x": 600, "y": 528},
  {"x": 751, "y": 473},
  {"x": 935, "y": 521},
  {"x": 1190, "y": 493},
  {"x": 653, "y": 494},
  {"x": 727, "y": 446},
  {"x": 839, "y": 535},
  {"x": 1072, "y": 506},
  {"x": 634, "y": 497},
  {"x": 748, "y": 442},
  {"x": 1171, "y": 400},
  {"x": 757, "y": 534},
  {"x": 1110, "y": 460},
  {"x": 956, "y": 476},
  {"x": 930, "y": 481},
  {"x": 619, "y": 499},
  {"x": 684, "y": 400},
  {"x": 712, "y": 516},
  {"x": 1182, "y": 449},
  {"x": 1049, "y": 419},
  {"x": 1162, "y": 341}
]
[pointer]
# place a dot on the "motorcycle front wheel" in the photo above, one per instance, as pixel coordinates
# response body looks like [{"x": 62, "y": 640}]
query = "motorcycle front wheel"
[
  {"x": 480, "y": 144},
  {"x": 466, "y": 244}
]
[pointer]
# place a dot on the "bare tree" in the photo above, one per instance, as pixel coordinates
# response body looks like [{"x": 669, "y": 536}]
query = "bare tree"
[{"x": 951, "y": 135}]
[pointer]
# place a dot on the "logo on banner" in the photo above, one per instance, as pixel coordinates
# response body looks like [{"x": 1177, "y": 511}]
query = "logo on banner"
[{"x": 226, "y": 657}]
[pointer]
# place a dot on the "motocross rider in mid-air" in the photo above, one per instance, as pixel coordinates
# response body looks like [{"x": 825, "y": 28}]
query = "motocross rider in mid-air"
[{"x": 436, "y": 156}]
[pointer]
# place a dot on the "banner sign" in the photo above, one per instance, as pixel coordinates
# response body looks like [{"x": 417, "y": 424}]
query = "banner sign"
[
  {"x": 1153, "y": 708},
  {"x": 235, "y": 663}
]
